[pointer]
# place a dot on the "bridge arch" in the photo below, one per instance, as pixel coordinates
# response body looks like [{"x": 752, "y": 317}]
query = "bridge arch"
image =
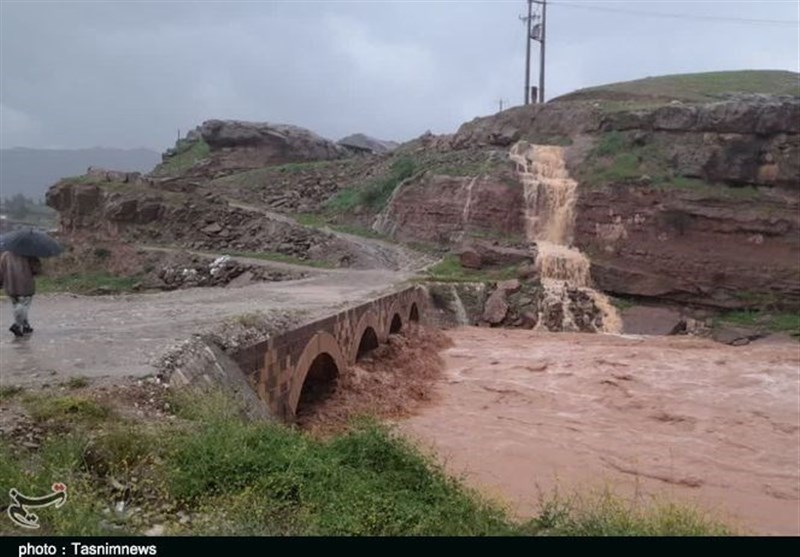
[
  {"x": 395, "y": 323},
  {"x": 413, "y": 314},
  {"x": 320, "y": 362},
  {"x": 367, "y": 336}
]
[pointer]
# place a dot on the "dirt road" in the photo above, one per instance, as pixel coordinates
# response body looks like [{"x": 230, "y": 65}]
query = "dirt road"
[
  {"x": 687, "y": 419},
  {"x": 100, "y": 336}
]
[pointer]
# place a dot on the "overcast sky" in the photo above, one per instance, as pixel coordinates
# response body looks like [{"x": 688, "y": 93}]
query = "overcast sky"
[{"x": 131, "y": 73}]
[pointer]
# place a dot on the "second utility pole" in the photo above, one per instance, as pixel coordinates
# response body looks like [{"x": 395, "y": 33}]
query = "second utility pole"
[
  {"x": 541, "y": 51},
  {"x": 528, "y": 53}
]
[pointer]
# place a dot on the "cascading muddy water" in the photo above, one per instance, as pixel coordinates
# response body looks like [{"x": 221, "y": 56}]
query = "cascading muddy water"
[
  {"x": 550, "y": 196},
  {"x": 458, "y": 307}
]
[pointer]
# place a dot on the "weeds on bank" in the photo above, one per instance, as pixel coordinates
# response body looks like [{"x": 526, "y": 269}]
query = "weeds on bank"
[
  {"x": 239, "y": 478},
  {"x": 90, "y": 283},
  {"x": 449, "y": 269},
  {"x": 603, "y": 513},
  {"x": 375, "y": 194},
  {"x": 774, "y": 322}
]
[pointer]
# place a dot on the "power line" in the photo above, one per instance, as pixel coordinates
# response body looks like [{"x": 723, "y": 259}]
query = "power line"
[{"x": 678, "y": 16}]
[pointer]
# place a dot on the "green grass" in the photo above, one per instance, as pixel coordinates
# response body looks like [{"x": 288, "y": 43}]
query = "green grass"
[
  {"x": 705, "y": 189},
  {"x": 375, "y": 194},
  {"x": 322, "y": 221},
  {"x": 304, "y": 166},
  {"x": 495, "y": 235},
  {"x": 615, "y": 159},
  {"x": 10, "y": 391},
  {"x": 622, "y": 304},
  {"x": 344, "y": 201},
  {"x": 696, "y": 87},
  {"x": 774, "y": 322},
  {"x": 90, "y": 283},
  {"x": 183, "y": 161},
  {"x": 449, "y": 269},
  {"x": 257, "y": 177},
  {"x": 366, "y": 482},
  {"x": 64, "y": 409},
  {"x": 282, "y": 258},
  {"x": 76, "y": 383},
  {"x": 605, "y": 514},
  {"x": 240, "y": 478},
  {"x": 611, "y": 143}
]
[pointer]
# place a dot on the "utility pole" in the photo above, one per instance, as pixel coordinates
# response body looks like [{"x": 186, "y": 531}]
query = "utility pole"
[
  {"x": 500, "y": 102},
  {"x": 541, "y": 51},
  {"x": 527, "y": 21},
  {"x": 535, "y": 33}
]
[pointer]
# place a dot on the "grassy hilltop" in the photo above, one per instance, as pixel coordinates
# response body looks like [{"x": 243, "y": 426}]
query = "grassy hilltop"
[{"x": 694, "y": 87}]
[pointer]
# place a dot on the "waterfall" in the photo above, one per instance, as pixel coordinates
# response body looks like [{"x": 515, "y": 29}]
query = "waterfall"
[
  {"x": 467, "y": 204},
  {"x": 458, "y": 307},
  {"x": 550, "y": 195}
]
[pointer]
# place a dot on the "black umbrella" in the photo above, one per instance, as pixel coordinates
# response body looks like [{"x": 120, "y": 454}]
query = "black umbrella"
[{"x": 30, "y": 243}]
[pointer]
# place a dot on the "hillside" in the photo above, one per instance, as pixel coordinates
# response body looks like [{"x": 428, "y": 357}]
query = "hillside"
[
  {"x": 687, "y": 203},
  {"x": 31, "y": 171},
  {"x": 695, "y": 87}
]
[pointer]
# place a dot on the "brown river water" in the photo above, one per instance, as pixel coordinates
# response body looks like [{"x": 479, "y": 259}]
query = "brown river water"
[{"x": 520, "y": 412}]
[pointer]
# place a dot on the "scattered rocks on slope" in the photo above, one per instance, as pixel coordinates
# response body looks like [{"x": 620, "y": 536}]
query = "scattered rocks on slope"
[
  {"x": 223, "y": 271},
  {"x": 143, "y": 215}
]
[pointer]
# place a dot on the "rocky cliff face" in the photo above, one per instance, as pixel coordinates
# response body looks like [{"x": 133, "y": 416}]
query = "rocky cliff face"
[
  {"x": 445, "y": 209},
  {"x": 146, "y": 215},
  {"x": 701, "y": 248},
  {"x": 686, "y": 203}
]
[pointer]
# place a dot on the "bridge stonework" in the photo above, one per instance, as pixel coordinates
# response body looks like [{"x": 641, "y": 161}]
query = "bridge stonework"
[{"x": 278, "y": 367}]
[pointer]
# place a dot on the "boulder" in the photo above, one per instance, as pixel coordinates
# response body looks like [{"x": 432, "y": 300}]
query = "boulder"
[
  {"x": 496, "y": 308},
  {"x": 470, "y": 259},
  {"x": 646, "y": 320},
  {"x": 509, "y": 286},
  {"x": 494, "y": 254},
  {"x": 736, "y": 336},
  {"x": 275, "y": 143}
]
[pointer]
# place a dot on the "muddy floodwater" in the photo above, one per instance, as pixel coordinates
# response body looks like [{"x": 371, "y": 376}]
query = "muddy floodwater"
[{"x": 520, "y": 412}]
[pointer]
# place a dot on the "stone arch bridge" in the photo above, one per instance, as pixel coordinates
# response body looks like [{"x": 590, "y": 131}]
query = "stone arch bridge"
[{"x": 301, "y": 364}]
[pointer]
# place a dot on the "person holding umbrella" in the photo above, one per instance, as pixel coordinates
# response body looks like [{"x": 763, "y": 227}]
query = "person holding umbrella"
[{"x": 19, "y": 264}]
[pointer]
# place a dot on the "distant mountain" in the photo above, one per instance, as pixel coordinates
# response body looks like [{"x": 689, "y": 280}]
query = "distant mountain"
[
  {"x": 31, "y": 171},
  {"x": 364, "y": 142}
]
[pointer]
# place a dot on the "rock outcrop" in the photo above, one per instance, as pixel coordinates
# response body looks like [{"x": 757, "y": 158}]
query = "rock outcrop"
[
  {"x": 147, "y": 215},
  {"x": 688, "y": 203},
  {"x": 443, "y": 210},
  {"x": 690, "y": 248},
  {"x": 364, "y": 143},
  {"x": 525, "y": 304},
  {"x": 234, "y": 144}
]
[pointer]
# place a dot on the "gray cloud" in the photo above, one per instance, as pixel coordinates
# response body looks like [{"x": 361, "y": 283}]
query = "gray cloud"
[{"x": 129, "y": 74}]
